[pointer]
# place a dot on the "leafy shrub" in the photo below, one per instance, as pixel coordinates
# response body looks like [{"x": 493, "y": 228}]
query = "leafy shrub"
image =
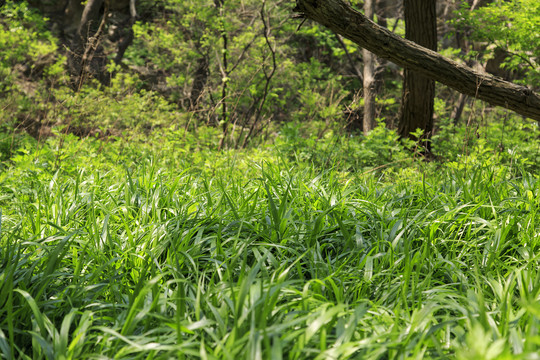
[
  {"x": 504, "y": 139},
  {"x": 379, "y": 148},
  {"x": 512, "y": 26}
]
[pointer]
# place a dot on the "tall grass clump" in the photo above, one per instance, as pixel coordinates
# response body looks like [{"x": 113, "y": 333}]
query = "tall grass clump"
[{"x": 127, "y": 250}]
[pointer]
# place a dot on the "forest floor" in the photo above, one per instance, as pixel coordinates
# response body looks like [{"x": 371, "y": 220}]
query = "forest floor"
[{"x": 121, "y": 249}]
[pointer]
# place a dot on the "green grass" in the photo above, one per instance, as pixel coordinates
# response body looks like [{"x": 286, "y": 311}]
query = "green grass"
[{"x": 119, "y": 250}]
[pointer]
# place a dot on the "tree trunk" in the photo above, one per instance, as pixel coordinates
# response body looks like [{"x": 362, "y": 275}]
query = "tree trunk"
[
  {"x": 382, "y": 11},
  {"x": 71, "y": 20},
  {"x": 369, "y": 122},
  {"x": 458, "y": 109},
  {"x": 199, "y": 81},
  {"x": 225, "y": 72},
  {"x": 86, "y": 57},
  {"x": 90, "y": 19},
  {"x": 418, "y": 90},
  {"x": 127, "y": 34},
  {"x": 346, "y": 21},
  {"x": 83, "y": 24}
]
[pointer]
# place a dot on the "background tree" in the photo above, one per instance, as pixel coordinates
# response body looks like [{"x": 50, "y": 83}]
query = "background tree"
[
  {"x": 504, "y": 36},
  {"x": 344, "y": 20},
  {"x": 83, "y": 28},
  {"x": 276, "y": 74},
  {"x": 369, "y": 122},
  {"x": 418, "y": 90}
]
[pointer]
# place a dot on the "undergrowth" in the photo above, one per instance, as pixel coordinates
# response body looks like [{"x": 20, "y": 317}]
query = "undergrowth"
[{"x": 166, "y": 249}]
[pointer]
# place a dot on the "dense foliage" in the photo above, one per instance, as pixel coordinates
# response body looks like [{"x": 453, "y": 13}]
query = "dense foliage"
[
  {"x": 214, "y": 199},
  {"x": 512, "y": 28},
  {"x": 244, "y": 67},
  {"x": 122, "y": 249}
]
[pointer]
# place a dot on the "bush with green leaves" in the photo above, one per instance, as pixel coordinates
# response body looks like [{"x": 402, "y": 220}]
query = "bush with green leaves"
[
  {"x": 324, "y": 147},
  {"x": 512, "y": 26},
  {"x": 29, "y": 63},
  {"x": 501, "y": 138},
  {"x": 25, "y": 40}
]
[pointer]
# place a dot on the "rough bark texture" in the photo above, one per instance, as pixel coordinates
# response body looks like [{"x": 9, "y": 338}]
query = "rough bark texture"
[
  {"x": 369, "y": 122},
  {"x": 346, "y": 21},
  {"x": 418, "y": 90}
]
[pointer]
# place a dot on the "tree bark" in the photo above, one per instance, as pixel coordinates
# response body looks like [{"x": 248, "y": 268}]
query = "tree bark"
[
  {"x": 346, "y": 21},
  {"x": 86, "y": 56},
  {"x": 90, "y": 19},
  {"x": 458, "y": 109},
  {"x": 127, "y": 33},
  {"x": 418, "y": 90},
  {"x": 369, "y": 122},
  {"x": 71, "y": 20},
  {"x": 199, "y": 81}
]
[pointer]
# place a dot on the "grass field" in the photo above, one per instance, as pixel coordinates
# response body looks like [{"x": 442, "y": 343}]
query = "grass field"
[{"x": 131, "y": 251}]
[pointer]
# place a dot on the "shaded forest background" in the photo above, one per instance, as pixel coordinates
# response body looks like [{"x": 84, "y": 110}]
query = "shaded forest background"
[{"x": 235, "y": 73}]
